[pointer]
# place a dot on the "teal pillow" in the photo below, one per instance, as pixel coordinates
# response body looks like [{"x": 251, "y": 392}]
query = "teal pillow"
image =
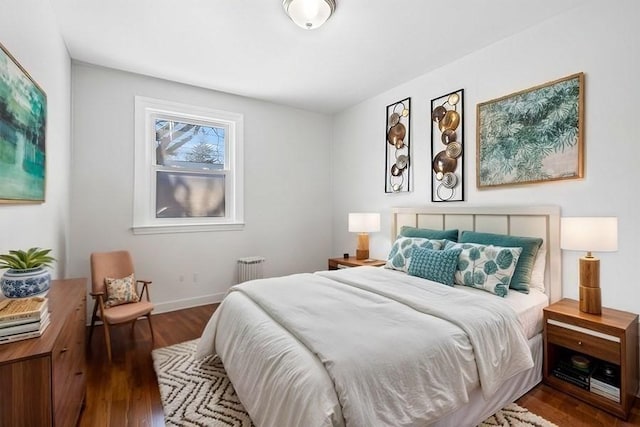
[
  {"x": 485, "y": 267},
  {"x": 402, "y": 250},
  {"x": 439, "y": 266},
  {"x": 530, "y": 245},
  {"x": 427, "y": 233}
]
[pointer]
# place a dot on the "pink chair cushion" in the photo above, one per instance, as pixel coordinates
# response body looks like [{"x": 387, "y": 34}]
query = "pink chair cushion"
[{"x": 127, "y": 312}]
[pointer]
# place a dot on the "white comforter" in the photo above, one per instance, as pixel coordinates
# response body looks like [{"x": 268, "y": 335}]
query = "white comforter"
[{"x": 361, "y": 347}]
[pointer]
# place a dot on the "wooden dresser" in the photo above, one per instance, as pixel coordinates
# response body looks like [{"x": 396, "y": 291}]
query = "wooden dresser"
[{"x": 42, "y": 380}]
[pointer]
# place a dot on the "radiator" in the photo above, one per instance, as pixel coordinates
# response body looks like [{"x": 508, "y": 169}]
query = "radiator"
[{"x": 250, "y": 268}]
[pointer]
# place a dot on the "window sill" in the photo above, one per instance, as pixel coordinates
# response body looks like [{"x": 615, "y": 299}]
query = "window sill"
[{"x": 186, "y": 228}]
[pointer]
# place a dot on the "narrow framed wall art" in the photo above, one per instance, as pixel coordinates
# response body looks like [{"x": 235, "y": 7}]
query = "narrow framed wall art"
[
  {"x": 447, "y": 147},
  {"x": 23, "y": 118},
  {"x": 397, "y": 142}
]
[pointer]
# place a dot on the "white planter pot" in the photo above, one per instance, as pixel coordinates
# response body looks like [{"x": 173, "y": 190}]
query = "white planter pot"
[{"x": 25, "y": 283}]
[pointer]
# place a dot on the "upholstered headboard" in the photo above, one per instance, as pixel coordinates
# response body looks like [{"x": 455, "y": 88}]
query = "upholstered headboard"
[{"x": 529, "y": 221}]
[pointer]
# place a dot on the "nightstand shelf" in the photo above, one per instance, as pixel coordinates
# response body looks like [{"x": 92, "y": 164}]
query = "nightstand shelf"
[
  {"x": 336, "y": 263},
  {"x": 610, "y": 338}
]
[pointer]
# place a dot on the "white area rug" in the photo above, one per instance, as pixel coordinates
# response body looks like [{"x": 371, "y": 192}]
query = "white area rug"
[{"x": 199, "y": 393}]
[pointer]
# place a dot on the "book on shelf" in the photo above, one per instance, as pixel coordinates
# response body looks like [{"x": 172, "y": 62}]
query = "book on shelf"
[
  {"x": 608, "y": 374},
  {"x": 26, "y": 335},
  {"x": 22, "y": 310},
  {"x": 604, "y": 386},
  {"x": 570, "y": 379},
  {"x": 604, "y": 382},
  {"x": 615, "y": 396},
  {"x": 568, "y": 368}
]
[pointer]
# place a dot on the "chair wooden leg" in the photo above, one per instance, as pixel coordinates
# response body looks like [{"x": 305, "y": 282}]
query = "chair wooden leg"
[
  {"x": 107, "y": 338},
  {"x": 93, "y": 322},
  {"x": 150, "y": 326}
]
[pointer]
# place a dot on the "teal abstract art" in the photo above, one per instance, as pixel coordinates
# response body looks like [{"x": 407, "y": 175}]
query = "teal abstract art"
[
  {"x": 535, "y": 135},
  {"x": 23, "y": 118}
]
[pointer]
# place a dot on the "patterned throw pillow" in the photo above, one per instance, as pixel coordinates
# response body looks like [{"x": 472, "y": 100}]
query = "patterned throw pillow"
[
  {"x": 529, "y": 245},
  {"x": 489, "y": 268},
  {"x": 120, "y": 291},
  {"x": 400, "y": 254},
  {"x": 439, "y": 266}
]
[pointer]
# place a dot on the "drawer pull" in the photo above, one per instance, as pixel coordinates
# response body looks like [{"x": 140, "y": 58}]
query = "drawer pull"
[
  {"x": 579, "y": 342},
  {"x": 64, "y": 350}
]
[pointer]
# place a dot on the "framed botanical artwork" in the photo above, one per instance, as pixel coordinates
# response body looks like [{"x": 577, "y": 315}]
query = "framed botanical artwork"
[
  {"x": 397, "y": 143},
  {"x": 535, "y": 135},
  {"x": 447, "y": 147},
  {"x": 23, "y": 119}
]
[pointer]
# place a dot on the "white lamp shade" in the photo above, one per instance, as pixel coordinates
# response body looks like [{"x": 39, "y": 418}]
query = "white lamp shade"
[
  {"x": 364, "y": 222},
  {"x": 309, "y": 14},
  {"x": 591, "y": 234}
]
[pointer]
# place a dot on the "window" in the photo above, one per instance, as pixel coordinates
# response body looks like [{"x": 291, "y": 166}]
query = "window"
[{"x": 188, "y": 168}]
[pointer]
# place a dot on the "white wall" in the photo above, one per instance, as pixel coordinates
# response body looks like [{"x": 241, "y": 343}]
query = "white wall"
[
  {"x": 597, "y": 39},
  {"x": 287, "y": 189},
  {"x": 28, "y": 30}
]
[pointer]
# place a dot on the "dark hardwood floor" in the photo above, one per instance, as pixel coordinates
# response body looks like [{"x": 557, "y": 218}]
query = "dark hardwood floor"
[{"x": 125, "y": 392}]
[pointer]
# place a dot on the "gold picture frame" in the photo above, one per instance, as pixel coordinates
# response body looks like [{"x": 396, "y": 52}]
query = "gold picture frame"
[
  {"x": 532, "y": 136},
  {"x": 23, "y": 122}
]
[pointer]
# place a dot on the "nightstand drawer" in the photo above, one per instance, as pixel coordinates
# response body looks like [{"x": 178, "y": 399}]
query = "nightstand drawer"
[{"x": 583, "y": 340}]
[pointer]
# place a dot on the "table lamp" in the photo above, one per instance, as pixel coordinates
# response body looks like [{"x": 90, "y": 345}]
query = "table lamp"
[
  {"x": 590, "y": 234},
  {"x": 363, "y": 223}
]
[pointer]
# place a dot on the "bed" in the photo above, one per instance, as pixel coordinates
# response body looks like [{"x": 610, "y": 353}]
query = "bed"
[{"x": 375, "y": 346}]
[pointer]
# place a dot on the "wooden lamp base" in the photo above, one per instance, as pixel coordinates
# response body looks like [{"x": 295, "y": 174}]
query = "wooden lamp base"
[
  {"x": 362, "y": 251},
  {"x": 590, "y": 295}
]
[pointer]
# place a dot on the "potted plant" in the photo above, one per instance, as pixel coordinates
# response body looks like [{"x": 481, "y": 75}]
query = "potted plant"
[{"x": 26, "y": 274}]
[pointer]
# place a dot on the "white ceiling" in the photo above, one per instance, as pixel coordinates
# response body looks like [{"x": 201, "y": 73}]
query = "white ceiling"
[{"x": 251, "y": 48}]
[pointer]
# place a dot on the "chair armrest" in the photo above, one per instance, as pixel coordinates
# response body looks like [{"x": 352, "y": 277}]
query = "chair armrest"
[
  {"x": 146, "y": 282},
  {"x": 96, "y": 294}
]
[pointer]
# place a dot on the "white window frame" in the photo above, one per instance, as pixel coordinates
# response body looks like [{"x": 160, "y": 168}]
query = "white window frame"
[{"x": 147, "y": 110}]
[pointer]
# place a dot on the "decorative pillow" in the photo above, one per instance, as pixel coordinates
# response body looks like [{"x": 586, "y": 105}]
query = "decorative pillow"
[
  {"x": 529, "y": 245},
  {"x": 439, "y": 266},
  {"x": 485, "y": 267},
  {"x": 400, "y": 254},
  {"x": 120, "y": 291},
  {"x": 427, "y": 233}
]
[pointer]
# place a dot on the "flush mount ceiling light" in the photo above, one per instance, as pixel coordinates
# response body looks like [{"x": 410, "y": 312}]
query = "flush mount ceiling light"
[{"x": 309, "y": 14}]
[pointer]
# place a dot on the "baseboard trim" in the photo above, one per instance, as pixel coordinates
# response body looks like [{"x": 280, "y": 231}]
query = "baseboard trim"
[{"x": 165, "y": 307}]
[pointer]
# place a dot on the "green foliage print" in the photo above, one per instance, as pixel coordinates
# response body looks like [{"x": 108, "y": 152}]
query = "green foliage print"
[{"x": 519, "y": 133}]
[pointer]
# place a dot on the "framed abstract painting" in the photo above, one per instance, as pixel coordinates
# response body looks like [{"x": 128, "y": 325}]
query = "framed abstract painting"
[
  {"x": 535, "y": 135},
  {"x": 23, "y": 119}
]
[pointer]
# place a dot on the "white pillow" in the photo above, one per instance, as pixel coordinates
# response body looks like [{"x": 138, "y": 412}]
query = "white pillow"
[{"x": 537, "y": 274}]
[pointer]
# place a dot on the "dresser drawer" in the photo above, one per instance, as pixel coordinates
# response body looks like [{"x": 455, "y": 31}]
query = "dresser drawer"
[{"x": 583, "y": 340}]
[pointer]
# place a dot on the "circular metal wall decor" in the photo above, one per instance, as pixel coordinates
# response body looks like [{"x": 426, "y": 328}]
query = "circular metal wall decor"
[
  {"x": 447, "y": 147},
  {"x": 397, "y": 163}
]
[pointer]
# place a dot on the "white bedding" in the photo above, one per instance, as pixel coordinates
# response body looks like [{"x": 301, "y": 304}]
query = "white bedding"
[
  {"x": 528, "y": 307},
  {"x": 369, "y": 370}
]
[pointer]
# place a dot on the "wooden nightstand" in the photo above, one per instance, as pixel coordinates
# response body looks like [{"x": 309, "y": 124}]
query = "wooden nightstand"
[
  {"x": 336, "y": 263},
  {"x": 611, "y": 338}
]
